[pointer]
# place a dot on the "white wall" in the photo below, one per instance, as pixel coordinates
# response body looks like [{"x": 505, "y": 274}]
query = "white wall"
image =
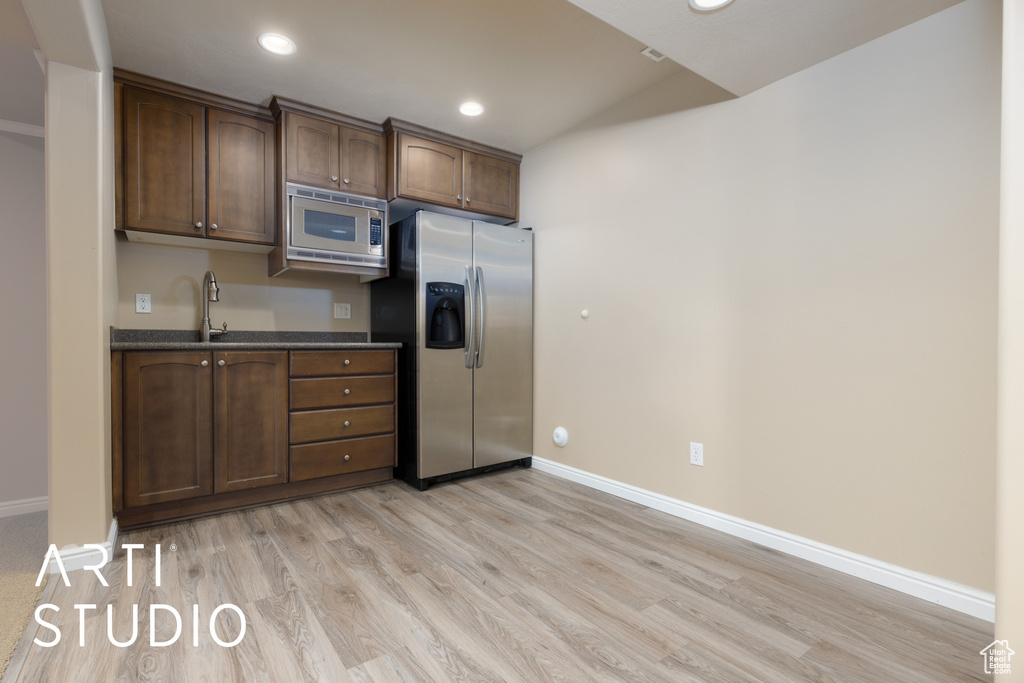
[
  {"x": 249, "y": 298},
  {"x": 81, "y": 264},
  {"x": 802, "y": 279},
  {"x": 23, "y": 310},
  {"x": 1010, "y": 472}
]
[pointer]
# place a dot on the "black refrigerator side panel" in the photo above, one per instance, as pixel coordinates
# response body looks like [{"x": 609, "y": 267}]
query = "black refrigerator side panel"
[{"x": 393, "y": 319}]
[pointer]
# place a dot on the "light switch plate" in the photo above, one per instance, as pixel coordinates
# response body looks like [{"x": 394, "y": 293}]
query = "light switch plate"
[
  {"x": 143, "y": 304},
  {"x": 343, "y": 311}
]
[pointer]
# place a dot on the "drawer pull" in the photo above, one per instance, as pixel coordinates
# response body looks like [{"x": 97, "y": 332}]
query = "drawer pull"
[
  {"x": 348, "y": 391},
  {"x": 347, "y": 361},
  {"x": 347, "y": 423},
  {"x": 347, "y": 458}
]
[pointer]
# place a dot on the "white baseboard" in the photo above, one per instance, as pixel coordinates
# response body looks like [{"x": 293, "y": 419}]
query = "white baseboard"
[
  {"x": 23, "y": 507},
  {"x": 949, "y": 594},
  {"x": 78, "y": 558}
]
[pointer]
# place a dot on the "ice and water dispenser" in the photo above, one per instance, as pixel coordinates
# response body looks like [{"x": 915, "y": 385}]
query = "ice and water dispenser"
[{"x": 445, "y": 315}]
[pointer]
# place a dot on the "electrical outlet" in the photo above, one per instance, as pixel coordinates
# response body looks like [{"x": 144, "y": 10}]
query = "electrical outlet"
[
  {"x": 342, "y": 311},
  {"x": 697, "y": 454},
  {"x": 143, "y": 303}
]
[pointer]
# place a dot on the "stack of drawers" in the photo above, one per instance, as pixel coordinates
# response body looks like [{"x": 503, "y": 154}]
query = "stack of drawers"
[{"x": 342, "y": 417}]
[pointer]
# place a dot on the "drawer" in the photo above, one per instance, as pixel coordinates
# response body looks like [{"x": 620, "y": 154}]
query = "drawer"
[
  {"x": 322, "y": 425},
  {"x": 335, "y": 392},
  {"x": 341, "y": 457},
  {"x": 321, "y": 363}
]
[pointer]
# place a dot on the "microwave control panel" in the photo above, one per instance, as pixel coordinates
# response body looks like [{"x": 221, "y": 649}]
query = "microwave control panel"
[{"x": 376, "y": 231}]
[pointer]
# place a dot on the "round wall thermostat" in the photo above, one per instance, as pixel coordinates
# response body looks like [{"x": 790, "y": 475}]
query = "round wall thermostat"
[{"x": 561, "y": 437}]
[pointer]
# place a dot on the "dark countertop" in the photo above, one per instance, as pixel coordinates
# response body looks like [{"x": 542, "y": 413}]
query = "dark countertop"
[{"x": 188, "y": 340}]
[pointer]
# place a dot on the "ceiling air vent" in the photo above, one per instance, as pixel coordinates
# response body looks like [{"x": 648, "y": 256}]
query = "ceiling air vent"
[{"x": 652, "y": 54}]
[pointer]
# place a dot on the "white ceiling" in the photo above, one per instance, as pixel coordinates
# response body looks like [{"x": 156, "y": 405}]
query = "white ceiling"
[
  {"x": 751, "y": 43},
  {"x": 540, "y": 67}
]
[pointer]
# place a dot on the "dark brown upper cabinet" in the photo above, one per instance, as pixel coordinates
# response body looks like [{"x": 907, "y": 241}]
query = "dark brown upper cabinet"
[
  {"x": 363, "y": 162},
  {"x": 429, "y": 170},
  {"x": 312, "y": 149},
  {"x": 490, "y": 185},
  {"x": 164, "y": 163},
  {"x": 322, "y": 151},
  {"x": 434, "y": 167},
  {"x": 194, "y": 164},
  {"x": 240, "y": 189}
]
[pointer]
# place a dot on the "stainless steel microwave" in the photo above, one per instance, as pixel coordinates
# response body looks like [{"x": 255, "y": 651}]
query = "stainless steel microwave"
[{"x": 335, "y": 227}]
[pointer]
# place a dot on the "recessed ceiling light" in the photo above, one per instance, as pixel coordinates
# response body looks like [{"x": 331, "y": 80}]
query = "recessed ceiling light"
[
  {"x": 276, "y": 43},
  {"x": 708, "y": 5},
  {"x": 471, "y": 109}
]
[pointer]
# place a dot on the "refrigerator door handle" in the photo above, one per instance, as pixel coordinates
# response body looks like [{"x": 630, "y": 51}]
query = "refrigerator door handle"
[
  {"x": 482, "y": 295},
  {"x": 470, "y": 355}
]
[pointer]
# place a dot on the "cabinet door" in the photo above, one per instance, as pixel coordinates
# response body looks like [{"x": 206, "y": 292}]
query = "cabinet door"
[
  {"x": 164, "y": 163},
  {"x": 168, "y": 426},
  {"x": 363, "y": 163},
  {"x": 252, "y": 419},
  {"x": 492, "y": 185},
  {"x": 241, "y": 184},
  {"x": 119, "y": 156},
  {"x": 312, "y": 147},
  {"x": 429, "y": 170}
]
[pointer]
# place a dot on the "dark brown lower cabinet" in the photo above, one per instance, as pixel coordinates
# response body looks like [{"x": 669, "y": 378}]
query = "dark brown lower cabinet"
[
  {"x": 250, "y": 419},
  {"x": 198, "y": 432},
  {"x": 168, "y": 426},
  {"x": 198, "y": 423}
]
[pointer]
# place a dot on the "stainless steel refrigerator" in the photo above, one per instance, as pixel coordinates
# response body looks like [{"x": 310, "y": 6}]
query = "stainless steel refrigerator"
[{"x": 460, "y": 298}]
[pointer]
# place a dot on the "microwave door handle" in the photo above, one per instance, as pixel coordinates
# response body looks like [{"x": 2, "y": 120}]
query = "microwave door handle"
[
  {"x": 482, "y": 295},
  {"x": 470, "y": 357}
]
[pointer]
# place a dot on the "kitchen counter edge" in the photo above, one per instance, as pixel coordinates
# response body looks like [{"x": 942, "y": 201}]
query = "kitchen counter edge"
[{"x": 250, "y": 346}]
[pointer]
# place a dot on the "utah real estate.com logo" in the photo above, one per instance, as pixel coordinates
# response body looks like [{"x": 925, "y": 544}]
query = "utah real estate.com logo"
[{"x": 997, "y": 657}]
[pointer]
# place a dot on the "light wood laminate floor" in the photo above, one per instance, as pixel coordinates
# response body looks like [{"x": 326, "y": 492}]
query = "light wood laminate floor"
[{"x": 512, "y": 576}]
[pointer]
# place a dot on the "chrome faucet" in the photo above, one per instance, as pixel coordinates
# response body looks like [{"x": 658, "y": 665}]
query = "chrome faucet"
[{"x": 210, "y": 293}]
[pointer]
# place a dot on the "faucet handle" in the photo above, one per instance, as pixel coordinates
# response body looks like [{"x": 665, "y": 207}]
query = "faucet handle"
[{"x": 222, "y": 330}]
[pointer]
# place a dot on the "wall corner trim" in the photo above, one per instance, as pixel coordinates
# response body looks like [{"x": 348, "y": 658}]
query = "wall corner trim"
[
  {"x": 956, "y": 596},
  {"x": 79, "y": 558},
  {"x": 24, "y": 506}
]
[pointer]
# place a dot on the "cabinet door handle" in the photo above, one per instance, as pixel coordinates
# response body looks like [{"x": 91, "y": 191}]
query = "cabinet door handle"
[
  {"x": 220, "y": 363},
  {"x": 347, "y": 423},
  {"x": 348, "y": 391},
  {"x": 334, "y": 178},
  {"x": 347, "y": 458},
  {"x": 345, "y": 181},
  {"x": 205, "y": 363},
  {"x": 459, "y": 197},
  {"x": 467, "y": 201},
  {"x": 213, "y": 226},
  {"x": 199, "y": 225}
]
